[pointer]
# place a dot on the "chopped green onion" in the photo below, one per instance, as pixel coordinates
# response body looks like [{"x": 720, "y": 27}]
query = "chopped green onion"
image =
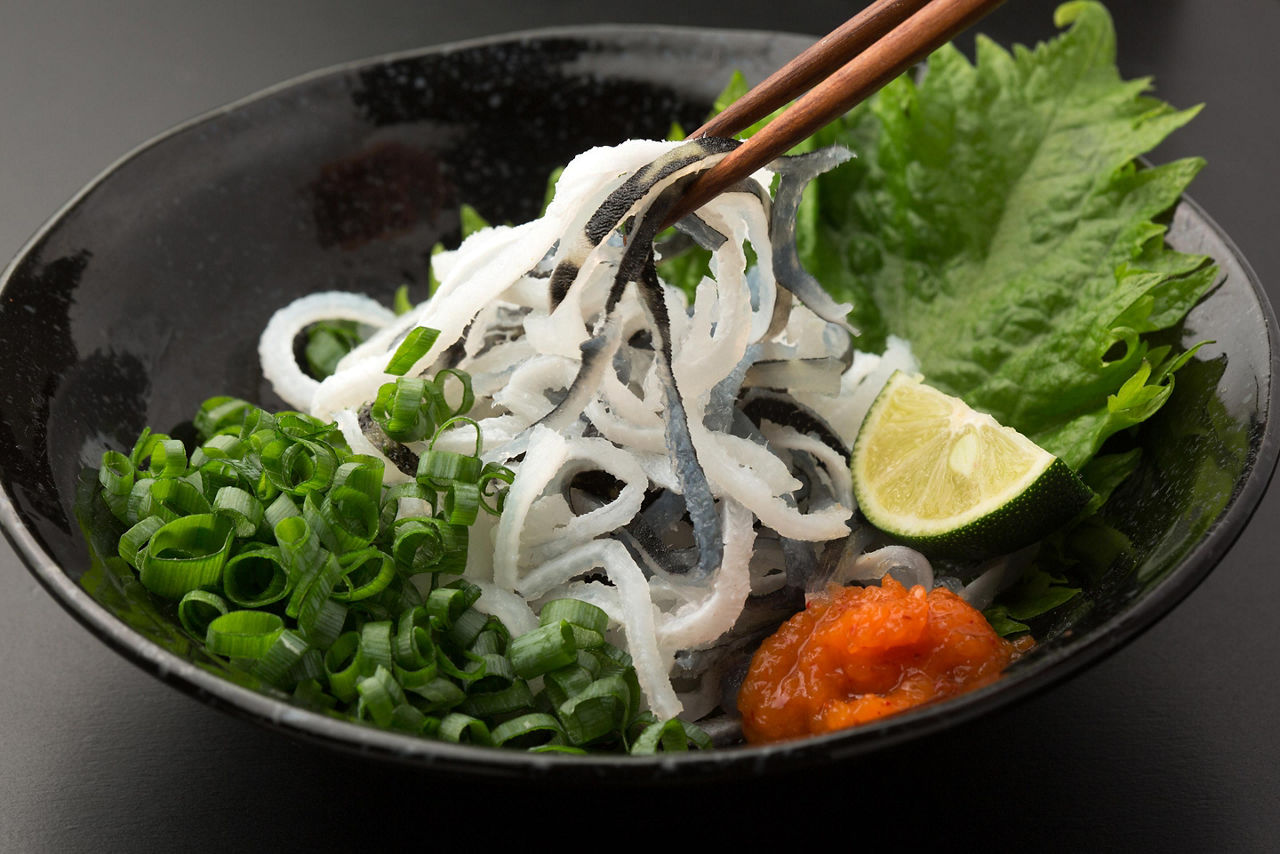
[
  {"x": 401, "y": 409},
  {"x": 498, "y": 672},
  {"x": 509, "y": 700},
  {"x": 186, "y": 554},
  {"x": 415, "y": 675},
  {"x": 243, "y": 634},
  {"x": 600, "y": 709},
  {"x": 352, "y": 517},
  {"x": 576, "y": 612},
  {"x": 462, "y": 729},
  {"x": 455, "y": 423},
  {"x": 321, "y": 619},
  {"x": 198, "y": 609},
  {"x": 134, "y": 540},
  {"x": 380, "y": 695},
  {"x": 330, "y": 612},
  {"x": 281, "y": 508},
  {"x": 218, "y": 414},
  {"x": 446, "y": 604},
  {"x": 546, "y": 648},
  {"x": 566, "y": 682},
  {"x": 532, "y": 730},
  {"x": 568, "y": 749},
  {"x": 500, "y": 478},
  {"x": 168, "y": 458},
  {"x": 439, "y": 694},
  {"x": 343, "y": 663},
  {"x": 243, "y": 509},
  {"x": 467, "y": 627},
  {"x": 361, "y": 473},
  {"x": 471, "y": 219},
  {"x": 309, "y": 692},
  {"x": 142, "y": 447},
  {"x": 375, "y": 646},
  {"x": 429, "y": 545},
  {"x": 365, "y": 573},
  {"x": 327, "y": 343},
  {"x": 256, "y": 577},
  {"x": 298, "y": 466},
  {"x": 140, "y": 504},
  {"x": 224, "y": 446},
  {"x": 310, "y": 667},
  {"x": 401, "y": 303},
  {"x": 406, "y": 718},
  {"x": 466, "y": 397},
  {"x": 670, "y": 736},
  {"x": 282, "y": 656},
  {"x": 311, "y": 592},
  {"x": 179, "y": 497},
  {"x": 116, "y": 474},
  {"x": 414, "y": 346},
  {"x": 300, "y": 426}
]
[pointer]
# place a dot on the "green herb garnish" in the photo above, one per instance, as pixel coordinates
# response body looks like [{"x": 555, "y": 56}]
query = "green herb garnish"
[
  {"x": 996, "y": 218},
  {"x": 288, "y": 558}
]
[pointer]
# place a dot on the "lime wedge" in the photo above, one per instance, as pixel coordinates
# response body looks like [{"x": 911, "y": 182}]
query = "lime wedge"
[{"x": 954, "y": 482}]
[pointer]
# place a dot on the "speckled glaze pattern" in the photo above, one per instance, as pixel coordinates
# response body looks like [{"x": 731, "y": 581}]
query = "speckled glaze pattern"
[{"x": 147, "y": 293}]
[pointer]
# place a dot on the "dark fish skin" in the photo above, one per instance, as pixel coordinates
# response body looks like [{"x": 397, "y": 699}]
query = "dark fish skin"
[
  {"x": 561, "y": 278},
  {"x": 701, "y": 233},
  {"x": 646, "y": 546},
  {"x": 693, "y": 480},
  {"x": 620, "y": 201},
  {"x": 795, "y": 173},
  {"x": 597, "y": 356},
  {"x": 760, "y": 405},
  {"x": 401, "y": 457},
  {"x": 722, "y": 402}
]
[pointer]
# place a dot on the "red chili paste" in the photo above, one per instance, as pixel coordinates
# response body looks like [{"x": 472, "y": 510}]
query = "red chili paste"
[{"x": 856, "y": 654}]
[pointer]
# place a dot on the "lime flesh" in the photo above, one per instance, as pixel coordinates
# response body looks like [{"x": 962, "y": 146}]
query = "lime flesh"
[{"x": 953, "y": 482}]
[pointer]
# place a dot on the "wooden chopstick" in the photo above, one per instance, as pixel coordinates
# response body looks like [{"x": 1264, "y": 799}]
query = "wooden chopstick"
[
  {"x": 933, "y": 25},
  {"x": 821, "y": 60}
]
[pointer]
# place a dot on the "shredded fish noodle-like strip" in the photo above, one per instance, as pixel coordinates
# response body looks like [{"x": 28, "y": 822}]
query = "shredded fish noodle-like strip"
[{"x": 599, "y": 370}]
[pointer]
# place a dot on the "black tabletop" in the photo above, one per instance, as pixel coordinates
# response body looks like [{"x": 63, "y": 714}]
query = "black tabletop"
[{"x": 1171, "y": 743}]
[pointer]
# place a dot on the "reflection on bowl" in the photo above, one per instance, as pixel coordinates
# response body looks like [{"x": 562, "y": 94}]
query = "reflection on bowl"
[{"x": 148, "y": 292}]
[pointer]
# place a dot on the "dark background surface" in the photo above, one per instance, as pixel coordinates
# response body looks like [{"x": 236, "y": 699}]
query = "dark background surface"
[{"x": 1171, "y": 743}]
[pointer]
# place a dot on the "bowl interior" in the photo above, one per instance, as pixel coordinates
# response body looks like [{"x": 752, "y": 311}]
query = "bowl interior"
[{"x": 148, "y": 293}]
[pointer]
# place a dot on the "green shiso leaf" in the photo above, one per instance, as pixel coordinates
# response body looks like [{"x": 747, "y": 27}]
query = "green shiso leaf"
[{"x": 995, "y": 218}]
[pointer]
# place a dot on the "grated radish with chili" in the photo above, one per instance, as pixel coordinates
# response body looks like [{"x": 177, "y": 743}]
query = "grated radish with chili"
[{"x": 857, "y": 654}]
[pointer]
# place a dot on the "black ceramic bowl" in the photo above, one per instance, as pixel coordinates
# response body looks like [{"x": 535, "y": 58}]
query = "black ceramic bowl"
[{"x": 147, "y": 293}]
